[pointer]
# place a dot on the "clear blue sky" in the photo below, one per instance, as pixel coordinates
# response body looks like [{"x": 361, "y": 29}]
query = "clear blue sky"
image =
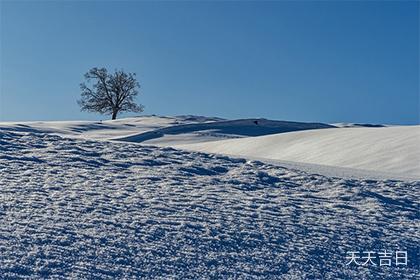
[{"x": 327, "y": 61}]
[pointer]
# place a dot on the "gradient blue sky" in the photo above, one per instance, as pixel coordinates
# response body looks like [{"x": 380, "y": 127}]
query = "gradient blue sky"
[{"x": 327, "y": 61}]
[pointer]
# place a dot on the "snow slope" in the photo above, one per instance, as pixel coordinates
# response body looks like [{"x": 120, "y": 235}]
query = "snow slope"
[
  {"x": 358, "y": 125},
  {"x": 108, "y": 129},
  {"x": 218, "y": 130},
  {"x": 83, "y": 209},
  {"x": 367, "y": 150},
  {"x": 395, "y": 150},
  {"x": 161, "y": 130}
]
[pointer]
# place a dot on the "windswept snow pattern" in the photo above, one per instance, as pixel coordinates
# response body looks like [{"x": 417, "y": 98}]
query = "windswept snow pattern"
[
  {"x": 391, "y": 150},
  {"x": 79, "y": 209}
]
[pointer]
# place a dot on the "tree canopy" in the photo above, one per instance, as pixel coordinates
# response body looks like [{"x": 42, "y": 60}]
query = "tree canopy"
[{"x": 108, "y": 93}]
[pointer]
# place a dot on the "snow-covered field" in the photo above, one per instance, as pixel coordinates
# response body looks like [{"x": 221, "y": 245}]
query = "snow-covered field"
[
  {"x": 77, "y": 205},
  {"x": 394, "y": 150}
]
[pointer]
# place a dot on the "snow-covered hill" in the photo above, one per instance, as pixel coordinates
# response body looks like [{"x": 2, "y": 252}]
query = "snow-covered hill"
[
  {"x": 163, "y": 130},
  {"x": 86, "y": 209},
  {"x": 93, "y": 200},
  {"x": 217, "y": 130},
  {"x": 394, "y": 150},
  {"x": 108, "y": 129},
  {"x": 345, "y": 149}
]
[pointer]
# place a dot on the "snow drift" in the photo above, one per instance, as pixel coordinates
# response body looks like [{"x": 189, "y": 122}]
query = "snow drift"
[
  {"x": 105, "y": 130},
  {"x": 391, "y": 150},
  {"x": 218, "y": 130},
  {"x": 385, "y": 149}
]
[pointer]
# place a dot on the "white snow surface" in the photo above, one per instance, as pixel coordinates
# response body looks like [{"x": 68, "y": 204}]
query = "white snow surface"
[
  {"x": 348, "y": 150},
  {"x": 75, "y": 205},
  {"x": 108, "y": 129},
  {"x": 394, "y": 150}
]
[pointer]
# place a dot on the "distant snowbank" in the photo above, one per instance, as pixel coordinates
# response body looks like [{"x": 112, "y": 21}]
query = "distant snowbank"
[
  {"x": 358, "y": 125},
  {"x": 383, "y": 149},
  {"x": 104, "y": 130},
  {"x": 388, "y": 149},
  {"x": 218, "y": 130},
  {"x": 162, "y": 130}
]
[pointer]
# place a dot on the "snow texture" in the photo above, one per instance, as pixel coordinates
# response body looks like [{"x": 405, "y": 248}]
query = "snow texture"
[
  {"x": 393, "y": 150},
  {"x": 84, "y": 209},
  {"x": 218, "y": 130}
]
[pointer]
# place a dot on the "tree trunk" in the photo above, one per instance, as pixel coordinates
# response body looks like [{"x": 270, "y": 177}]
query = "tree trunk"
[{"x": 114, "y": 115}]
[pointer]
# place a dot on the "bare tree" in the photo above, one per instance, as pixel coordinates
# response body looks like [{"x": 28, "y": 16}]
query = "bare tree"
[{"x": 109, "y": 93}]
